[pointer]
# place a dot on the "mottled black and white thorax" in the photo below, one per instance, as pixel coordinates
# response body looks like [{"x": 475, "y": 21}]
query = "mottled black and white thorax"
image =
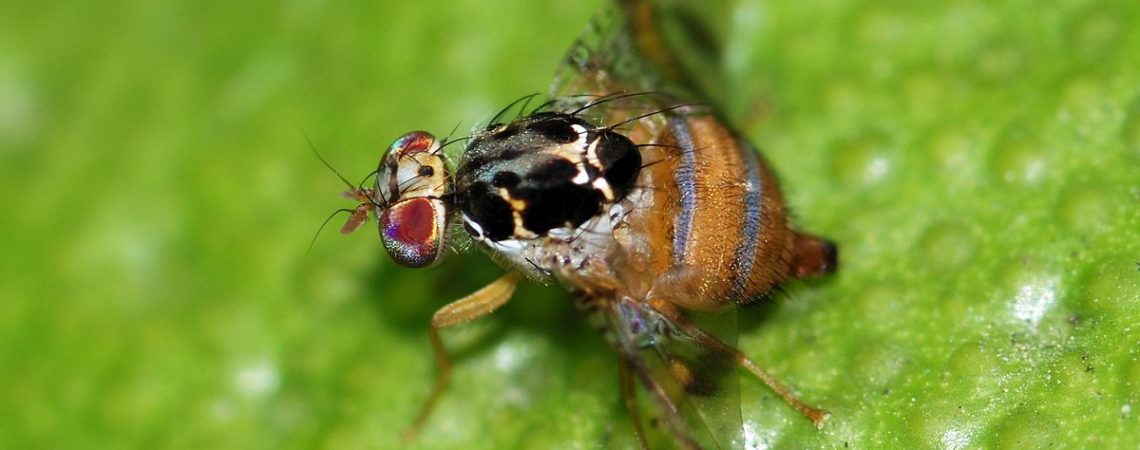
[{"x": 536, "y": 189}]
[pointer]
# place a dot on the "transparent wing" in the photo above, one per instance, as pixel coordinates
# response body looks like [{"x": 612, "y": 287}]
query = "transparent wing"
[
  {"x": 605, "y": 59},
  {"x": 647, "y": 46},
  {"x": 688, "y": 394},
  {"x": 716, "y": 399}
]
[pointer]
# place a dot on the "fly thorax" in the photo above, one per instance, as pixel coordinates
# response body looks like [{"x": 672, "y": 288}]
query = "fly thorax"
[{"x": 539, "y": 185}]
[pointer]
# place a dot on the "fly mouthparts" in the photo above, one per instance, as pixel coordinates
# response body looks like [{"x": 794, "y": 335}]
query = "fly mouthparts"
[{"x": 360, "y": 195}]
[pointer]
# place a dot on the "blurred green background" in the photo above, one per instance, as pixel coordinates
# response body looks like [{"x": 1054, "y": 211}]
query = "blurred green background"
[{"x": 978, "y": 162}]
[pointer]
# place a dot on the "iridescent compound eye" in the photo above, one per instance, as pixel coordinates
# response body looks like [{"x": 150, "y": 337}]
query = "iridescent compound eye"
[
  {"x": 413, "y": 229},
  {"x": 411, "y": 184}
]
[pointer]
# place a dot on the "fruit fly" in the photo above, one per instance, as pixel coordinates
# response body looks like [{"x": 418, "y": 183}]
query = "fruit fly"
[{"x": 639, "y": 201}]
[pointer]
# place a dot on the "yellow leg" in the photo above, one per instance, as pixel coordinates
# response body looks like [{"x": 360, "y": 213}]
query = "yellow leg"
[
  {"x": 816, "y": 415},
  {"x": 476, "y": 305},
  {"x": 629, "y": 395}
]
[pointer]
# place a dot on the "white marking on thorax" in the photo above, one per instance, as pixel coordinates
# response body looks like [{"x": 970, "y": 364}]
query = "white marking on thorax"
[
  {"x": 582, "y": 177},
  {"x": 474, "y": 226}
]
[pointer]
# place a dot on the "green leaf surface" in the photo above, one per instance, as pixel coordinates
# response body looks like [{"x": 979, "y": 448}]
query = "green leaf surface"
[{"x": 977, "y": 161}]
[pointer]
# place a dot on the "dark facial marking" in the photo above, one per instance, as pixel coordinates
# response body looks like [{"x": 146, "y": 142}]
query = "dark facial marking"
[
  {"x": 425, "y": 171},
  {"x": 389, "y": 165}
]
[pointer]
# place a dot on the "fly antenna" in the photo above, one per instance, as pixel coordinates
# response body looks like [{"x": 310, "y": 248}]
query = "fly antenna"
[
  {"x": 313, "y": 148},
  {"x": 365, "y": 179},
  {"x": 322, "y": 228}
]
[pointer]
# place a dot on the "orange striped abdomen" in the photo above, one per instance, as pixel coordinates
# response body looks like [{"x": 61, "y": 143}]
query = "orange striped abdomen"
[{"x": 716, "y": 231}]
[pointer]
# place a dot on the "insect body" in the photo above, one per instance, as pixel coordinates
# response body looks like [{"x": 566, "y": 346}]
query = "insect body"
[
  {"x": 644, "y": 207},
  {"x": 507, "y": 190}
]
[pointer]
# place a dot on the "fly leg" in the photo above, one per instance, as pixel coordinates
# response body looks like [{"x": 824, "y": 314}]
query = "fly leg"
[
  {"x": 816, "y": 415},
  {"x": 629, "y": 395},
  {"x": 632, "y": 369},
  {"x": 476, "y": 305},
  {"x": 671, "y": 415}
]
